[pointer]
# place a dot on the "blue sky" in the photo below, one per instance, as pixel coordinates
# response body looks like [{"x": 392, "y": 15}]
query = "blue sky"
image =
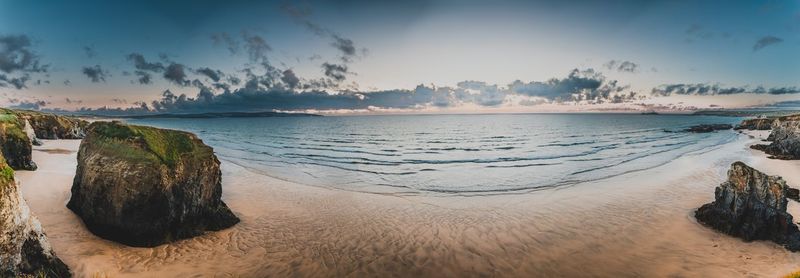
[{"x": 745, "y": 47}]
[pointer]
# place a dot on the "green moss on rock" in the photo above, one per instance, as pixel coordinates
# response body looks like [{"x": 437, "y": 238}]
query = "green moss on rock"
[
  {"x": 145, "y": 186},
  {"x": 149, "y": 143}
]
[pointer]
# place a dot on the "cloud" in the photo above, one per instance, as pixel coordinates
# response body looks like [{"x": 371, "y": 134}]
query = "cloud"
[
  {"x": 96, "y": 73},
  {"x": 15, "y": 82},
  {"x": 29, "y": 105},
  {"x": 579, "y": 87},
  {"x": 346, "y": 46},
  {"x": 176, "y": 73},
  {"x": 144, "y": 77},
  {"x": 214, "y": 75},
  {"x": 622, "y": 66},
  {"x": 766, "y": 41},
  {"x": 89, "y": 51},
  {"x": 18, "y": 61},
  {"x": 257, "y": 48},
  {"x": 140, "y": 63},
  {"x": 701, "y": 89},
  {"x": 73, "y": 101},
  {"x": 224, "y": 39},
  {"x": 290, "y": 79},
  {"x": 335, "y": 71}
]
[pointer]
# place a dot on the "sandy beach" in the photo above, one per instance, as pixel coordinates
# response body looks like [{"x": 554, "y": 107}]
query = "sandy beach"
[{"x": 637, "y": 224}]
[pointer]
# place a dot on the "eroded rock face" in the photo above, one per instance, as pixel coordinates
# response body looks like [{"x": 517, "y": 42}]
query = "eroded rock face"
[
  {"x": 15, "y": 144},
  {"x": 145, "y": 186},
  {"x": 704, "y": 128},
  {"x": 24, "y": 249},
  {"x": 752, "y": 205},
  {"x": 50, "y": 126},
  {"x": 785, "y": 137},
  {"x": 756, "y": 124}
]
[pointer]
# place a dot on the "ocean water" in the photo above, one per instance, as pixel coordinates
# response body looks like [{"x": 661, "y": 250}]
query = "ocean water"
[{"x": 451, "y": 154}]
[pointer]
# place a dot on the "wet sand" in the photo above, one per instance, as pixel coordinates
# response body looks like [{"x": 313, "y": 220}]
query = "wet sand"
[{"x": 638, "y": 224}]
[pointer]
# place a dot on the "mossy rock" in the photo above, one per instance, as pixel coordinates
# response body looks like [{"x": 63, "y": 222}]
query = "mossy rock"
[
  {"x": 145, "y": 186},
  {"x": 51, "y": 126},
  {"x": 148, "y": 143},
  {"x": 15, "y": 144},
  {"x": 24, "y": 249}
]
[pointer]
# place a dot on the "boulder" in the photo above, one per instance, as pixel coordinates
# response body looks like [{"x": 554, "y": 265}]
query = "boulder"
[
  {"x": 145, "y": 186},
  {"x": 24, "y": 249},
  {"x": 752, "y": 205},
  {"x": 703, "y": 128},
  {"x": 15, "y": 144},
  {"x": 785, "y": 137}
]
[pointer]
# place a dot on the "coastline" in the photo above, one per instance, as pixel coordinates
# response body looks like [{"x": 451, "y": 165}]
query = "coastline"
[{"x": 637, "y": 224}]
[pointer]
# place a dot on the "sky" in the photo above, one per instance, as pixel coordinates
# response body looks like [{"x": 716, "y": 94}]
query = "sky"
[{"x": 429, "y": 56}]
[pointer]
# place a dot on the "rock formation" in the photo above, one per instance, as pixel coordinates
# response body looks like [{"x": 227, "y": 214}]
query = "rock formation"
[
  {"x": 785, "y": 137},
  {"x": 756, "y": 124},
  {"x": 50, "y": 126},
  {"x": 15, "y": 144},
  {"x": 24, "y": 249},
  {"x": 144, "y": 186},
  {"x": 703, "y": 128},
  {"x": 752, "y": 205}
]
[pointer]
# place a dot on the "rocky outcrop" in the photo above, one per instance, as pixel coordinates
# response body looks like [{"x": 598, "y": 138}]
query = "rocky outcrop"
[
  {"x": 756, "y": 124},
  {"x": 24, "y": 249},
  {"x": 752, "y": 205},
  {"x": 785, "y": 137},
  {"x": 15, "y": 144},
  {"x": 51, "y": 126},
  {"x": 144, "y": 186},
  {"x": 703, "y": 128}
]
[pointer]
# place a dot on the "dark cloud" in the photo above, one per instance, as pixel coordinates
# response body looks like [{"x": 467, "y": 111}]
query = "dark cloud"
[
  {"x": 257, "y": 48},
  {"x": 15, "y": 82},
  {"x": 622, "y": 66},
  {"x": 335, "y": 71},
  {"x": 144, "y": 77},
  {"x": 290, "y": 79},
  {"x": 73, "y": 101},
  {"x": 224, "y": 39},
  {"x": 766, "y": 41},
  {"x": 96, "y": 73},
  {"x": 214, "y": 75},
  {"x": 176, "y": 73},
  {"x": 580, "y": 87},
  {"x": 140, "y": 63},
  {"x": 18, "y": 61},
  {"x": 345, "y": 46},
  {"x": 29, "y": 105},
  {"x": 698, "y": 32},
  {"x": 717, "y": 89},
  {"x": 89, "y": 51}
]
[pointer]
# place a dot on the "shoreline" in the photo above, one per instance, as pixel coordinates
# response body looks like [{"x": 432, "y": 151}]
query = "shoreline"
[{"x": 634, "y": 224}]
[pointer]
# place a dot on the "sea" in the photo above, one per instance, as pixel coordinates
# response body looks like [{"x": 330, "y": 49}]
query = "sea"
[{"x": 452, "y": 154}]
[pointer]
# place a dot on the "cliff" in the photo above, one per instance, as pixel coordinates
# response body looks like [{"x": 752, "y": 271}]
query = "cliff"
[
  {"x": 51, "y": 126},
  {"x": 144, "y": 186},
  {"x": 24, "y": 249},
  {"x": 15, "y": 144}
]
